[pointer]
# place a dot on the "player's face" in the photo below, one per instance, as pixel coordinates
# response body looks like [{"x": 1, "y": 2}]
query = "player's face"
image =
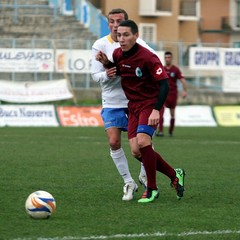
[
  {"x": 168, "y": 59},
  {"x": 126, "y": 38},
  {"x": 113, "y": 22}
]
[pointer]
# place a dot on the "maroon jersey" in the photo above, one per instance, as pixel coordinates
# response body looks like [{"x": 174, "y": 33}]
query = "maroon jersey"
[
  {"x": 140, "y": 71},
  {"x": 174, "y": 74}
]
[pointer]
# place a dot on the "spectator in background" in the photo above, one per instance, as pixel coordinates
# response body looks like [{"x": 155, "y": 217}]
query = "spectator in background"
[
  {"x": 144, "y": 82},
  {"x": 114, "y": 103},
  {"x": 174, "y": 74}
]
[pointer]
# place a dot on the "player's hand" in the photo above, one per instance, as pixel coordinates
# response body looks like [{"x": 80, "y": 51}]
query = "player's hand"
[
  {"x": 102, "y": 57},
  {"x": 184, "y": 94},
  {"x": 111, "y": 72},
  {"x": 154, "y": 118}
]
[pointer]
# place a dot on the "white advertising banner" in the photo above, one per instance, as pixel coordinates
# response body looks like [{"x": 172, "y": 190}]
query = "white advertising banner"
[
  {"x": 230, "y": 58},
  {"x": 28, "y": 115},
  {"x": 231, "y": 81},
  {"x": 34, "y": 92},
  {"x": 26, "y": 60},
  {"x": 79, "y": 61},
  {"x": 191, "y": 116},
  {"x": 204, "y": 58},
  {"x": 73, "y": 61},
  {"x": 207, "y": 58}
]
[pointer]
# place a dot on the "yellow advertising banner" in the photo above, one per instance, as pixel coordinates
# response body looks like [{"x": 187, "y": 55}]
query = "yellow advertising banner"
[{"x": 227, "y": 115}]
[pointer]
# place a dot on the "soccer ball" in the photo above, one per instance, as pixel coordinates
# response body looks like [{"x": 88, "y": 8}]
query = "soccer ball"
[{"x": 40, "y": 205}]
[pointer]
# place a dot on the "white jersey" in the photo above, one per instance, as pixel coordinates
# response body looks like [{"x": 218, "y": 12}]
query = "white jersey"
[{"x": 112, "y": 93}]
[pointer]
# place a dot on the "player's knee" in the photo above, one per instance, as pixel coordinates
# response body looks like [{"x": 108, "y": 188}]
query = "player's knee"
[
  {"x": 114, "y": 144},
  {"x": 143, "y": 142}
]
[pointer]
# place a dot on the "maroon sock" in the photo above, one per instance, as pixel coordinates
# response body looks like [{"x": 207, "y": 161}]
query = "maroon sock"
[
  {"x": 161, "y": 125},
  {"x": 172, "y": 123},
  {"x": 161, "y": 120},
  {"x": 164, "y": 167},
  {"x": 149, "y": 162}
]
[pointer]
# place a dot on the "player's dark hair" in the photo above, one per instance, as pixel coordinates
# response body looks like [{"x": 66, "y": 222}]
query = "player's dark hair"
[
  {"x": 168, "y": 53},
  {"x": 131, "y": 24},
  {"x": 118, "y": 10}
]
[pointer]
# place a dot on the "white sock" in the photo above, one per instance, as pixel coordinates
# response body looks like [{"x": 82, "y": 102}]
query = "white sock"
[
  {"x": 142, "y": 170},
  {"x": 120, "y": 160}
]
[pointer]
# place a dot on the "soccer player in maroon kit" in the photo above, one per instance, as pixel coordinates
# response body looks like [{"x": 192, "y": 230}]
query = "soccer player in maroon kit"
[
  {"x": 174, "y": 75},
  {"x": 144, "y": 82}
]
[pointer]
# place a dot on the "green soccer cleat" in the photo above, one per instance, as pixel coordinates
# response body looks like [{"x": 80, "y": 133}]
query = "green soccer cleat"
[
  {"x": 150, "y": 197},
  {"x": 178, "y": 182}
]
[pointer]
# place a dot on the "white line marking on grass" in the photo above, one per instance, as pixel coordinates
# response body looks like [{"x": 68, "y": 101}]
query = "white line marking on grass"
[{"x": 141, "y": 235}]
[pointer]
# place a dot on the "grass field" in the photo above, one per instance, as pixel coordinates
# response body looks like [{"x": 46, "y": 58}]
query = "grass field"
[{"x": 73, "y": 164}]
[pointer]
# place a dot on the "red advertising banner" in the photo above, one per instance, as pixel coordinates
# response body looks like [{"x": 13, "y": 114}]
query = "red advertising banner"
[{"x": 80, "y": 116}]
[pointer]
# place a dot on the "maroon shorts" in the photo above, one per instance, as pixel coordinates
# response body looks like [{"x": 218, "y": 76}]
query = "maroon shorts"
[
  {"x": 138, "y": 116},
  {"x": 171, "y": 101}
]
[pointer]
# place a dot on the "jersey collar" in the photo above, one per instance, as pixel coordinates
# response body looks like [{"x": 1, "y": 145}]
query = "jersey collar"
[
  {"x": 131, "y": 51},
  {"x": 110, "y": 39}
]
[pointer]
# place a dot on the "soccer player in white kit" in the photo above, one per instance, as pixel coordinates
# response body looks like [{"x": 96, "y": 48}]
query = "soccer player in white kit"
[{"x": 114, "y": 103}]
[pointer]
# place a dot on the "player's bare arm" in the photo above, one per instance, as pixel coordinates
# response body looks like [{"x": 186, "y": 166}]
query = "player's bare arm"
[{"x": 184, "y": 85}]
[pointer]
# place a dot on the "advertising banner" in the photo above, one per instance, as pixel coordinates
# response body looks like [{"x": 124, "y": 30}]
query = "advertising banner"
[
  {"x": 26, "y": 60},
  {"x": 90, "y": 116},
  {"x": 28, "y": 115},
  {"x": 46, "y": 60},
  {"x": 231, "y": 81},
  {"x": 207, "y": 58},
  {"x": 191, "y": 116},
  {"x": 228, "y": 116},
  {"x": 204, "y": 58},
  {"x": 73, "y": 61},
  {"x": 34, "y": 92},
  {"x": 230, "y": 58},
  {"x": 80, "y": 116}
]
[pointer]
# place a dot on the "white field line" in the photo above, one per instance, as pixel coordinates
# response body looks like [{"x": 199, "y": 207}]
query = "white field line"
[{"x": 141, "y": 235}]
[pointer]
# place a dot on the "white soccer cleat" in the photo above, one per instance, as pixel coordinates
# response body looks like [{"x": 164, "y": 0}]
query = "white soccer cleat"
[
  {"x": 143, "y": 180},
  {"x": 128, "y": 191}
]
